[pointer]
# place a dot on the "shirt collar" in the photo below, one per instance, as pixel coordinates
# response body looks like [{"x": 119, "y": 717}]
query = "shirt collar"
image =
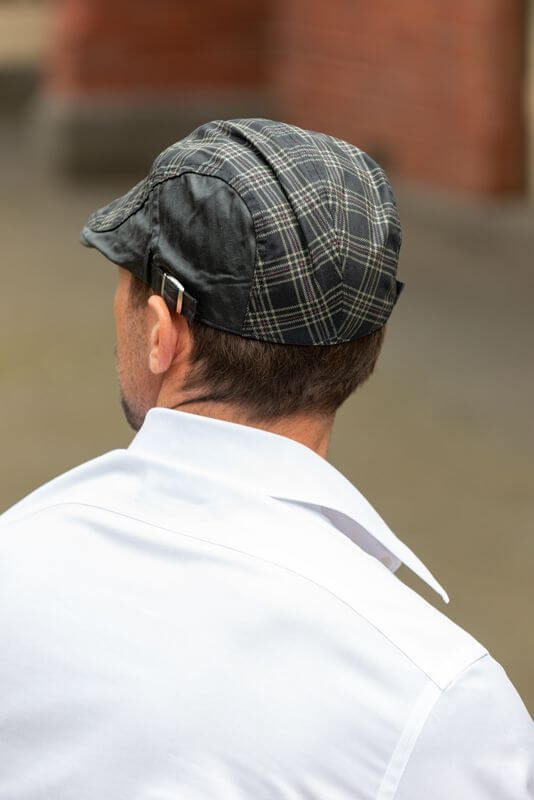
[{"x": 279, "y": 467}]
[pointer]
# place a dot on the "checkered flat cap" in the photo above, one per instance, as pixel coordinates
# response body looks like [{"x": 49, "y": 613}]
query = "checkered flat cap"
[{"x": 262, "y": 229}]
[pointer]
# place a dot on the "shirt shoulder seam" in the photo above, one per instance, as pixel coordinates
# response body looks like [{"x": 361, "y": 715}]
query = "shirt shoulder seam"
[
  {"x": 407, "y": 740},
  {"x": 412, "y": 730}
]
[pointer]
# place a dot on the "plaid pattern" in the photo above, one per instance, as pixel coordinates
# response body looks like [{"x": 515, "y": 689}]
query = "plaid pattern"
[{"x": 325, "y": 220}]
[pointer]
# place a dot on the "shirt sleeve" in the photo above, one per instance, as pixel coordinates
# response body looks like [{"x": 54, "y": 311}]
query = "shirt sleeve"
[{"x": 477, "y": 742}]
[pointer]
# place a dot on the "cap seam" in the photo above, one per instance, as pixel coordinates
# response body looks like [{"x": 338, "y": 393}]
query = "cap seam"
[
  {"x": 93, "y": 217},
  {"x": 156, "y": 180}
]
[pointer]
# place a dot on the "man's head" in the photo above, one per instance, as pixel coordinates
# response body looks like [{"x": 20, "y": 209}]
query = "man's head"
[
  {"x": 258, "y": 272},
  {"x": 164, "y": 360}
]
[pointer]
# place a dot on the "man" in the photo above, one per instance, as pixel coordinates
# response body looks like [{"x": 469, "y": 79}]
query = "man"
[{"x": 213, "y": 612}]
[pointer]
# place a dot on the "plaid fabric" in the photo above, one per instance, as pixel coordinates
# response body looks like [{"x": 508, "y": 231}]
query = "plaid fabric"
[{"x": 325, "y": 222}]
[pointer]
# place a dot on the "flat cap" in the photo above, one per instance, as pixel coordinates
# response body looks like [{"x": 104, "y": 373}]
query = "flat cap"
[{"x": 262, "y": 229}]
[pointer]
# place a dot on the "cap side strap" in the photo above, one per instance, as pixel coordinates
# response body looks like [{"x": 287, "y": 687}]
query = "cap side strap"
[{"x": 167, "y": 286}]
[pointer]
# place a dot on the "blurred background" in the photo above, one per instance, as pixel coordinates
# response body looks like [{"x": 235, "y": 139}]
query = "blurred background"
[{"x": 441, "y": 440}]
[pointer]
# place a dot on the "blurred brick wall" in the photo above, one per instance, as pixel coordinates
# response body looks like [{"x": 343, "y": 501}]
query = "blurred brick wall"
[
  {"x": 125, "y": 78},
  {"x": 434, "y": 88},
  {"x": 161, "y": 45}
]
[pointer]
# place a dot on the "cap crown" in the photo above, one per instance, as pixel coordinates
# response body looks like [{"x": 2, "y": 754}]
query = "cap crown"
[{"x": 281, "y": 234}]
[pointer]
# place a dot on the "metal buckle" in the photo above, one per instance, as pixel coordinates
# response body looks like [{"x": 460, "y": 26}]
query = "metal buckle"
[{"x": 178, "y": 286}]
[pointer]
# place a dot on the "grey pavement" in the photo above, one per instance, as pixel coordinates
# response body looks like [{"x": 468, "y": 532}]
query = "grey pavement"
[{"x": 441, "y": 440}]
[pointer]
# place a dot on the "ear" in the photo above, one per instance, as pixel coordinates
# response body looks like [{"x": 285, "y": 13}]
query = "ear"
[
  {"x": 163, "y": 336},
  {"x": 171, "y": 338}
]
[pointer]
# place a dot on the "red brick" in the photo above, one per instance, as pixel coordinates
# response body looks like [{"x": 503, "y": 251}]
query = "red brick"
[
  {"x": 435, "y": 86},
  {"x": 126, "y": 46}
]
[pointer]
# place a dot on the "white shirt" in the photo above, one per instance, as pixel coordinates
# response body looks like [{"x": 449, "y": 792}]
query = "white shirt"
[{"x": 212, "y": 613}]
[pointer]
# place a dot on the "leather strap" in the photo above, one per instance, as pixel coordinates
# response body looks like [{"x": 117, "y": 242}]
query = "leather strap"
[{"x": 165, "y": 284}]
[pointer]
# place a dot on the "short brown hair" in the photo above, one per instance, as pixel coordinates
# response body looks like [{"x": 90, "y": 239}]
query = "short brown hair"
[{"x": 270, "y": 381}]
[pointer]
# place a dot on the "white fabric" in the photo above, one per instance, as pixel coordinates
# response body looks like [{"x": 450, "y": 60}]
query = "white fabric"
[{"x": 212, "y": 613}]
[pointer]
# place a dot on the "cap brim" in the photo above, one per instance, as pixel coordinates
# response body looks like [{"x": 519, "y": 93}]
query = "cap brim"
[{"x": 121, "y": 232}]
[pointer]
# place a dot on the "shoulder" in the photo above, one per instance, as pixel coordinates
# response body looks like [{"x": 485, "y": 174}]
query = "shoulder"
[
  {"x": 434, "y": 644},
  {"x": 77, "y": 482},
  {"x": 477, "y": 738}
]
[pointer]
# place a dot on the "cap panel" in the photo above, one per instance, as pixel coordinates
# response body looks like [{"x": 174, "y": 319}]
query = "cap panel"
[
  {"x": 126, "y": 244},
  {"x": 338, "y": 284},
  {"x": 292, "y": 296},
  {"x": 372, "y": 242},
  {"x": 205, "y": 237}
]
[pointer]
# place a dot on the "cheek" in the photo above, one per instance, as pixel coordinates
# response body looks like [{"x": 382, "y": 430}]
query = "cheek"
[
  {"x": 121, "y": 337},
  {"x": 118, "y": 313},
  {"x": 132, "y": 361},
  {"x": 130, "y": 349},
  {"x": 126, "y": 324},
  {"x": 121, "y": 310}
]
